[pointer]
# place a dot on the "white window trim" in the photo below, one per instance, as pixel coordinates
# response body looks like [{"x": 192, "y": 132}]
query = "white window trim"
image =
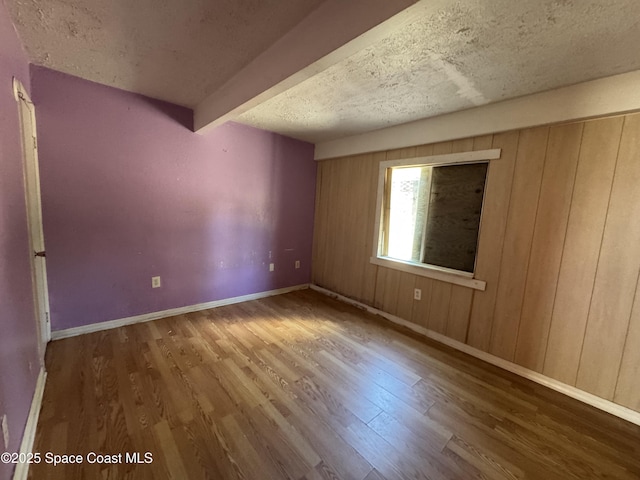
[{"x": 449, "y": 275}]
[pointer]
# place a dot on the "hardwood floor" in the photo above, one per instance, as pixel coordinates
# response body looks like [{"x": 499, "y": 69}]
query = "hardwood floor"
[{"x": 301, "y": 386}]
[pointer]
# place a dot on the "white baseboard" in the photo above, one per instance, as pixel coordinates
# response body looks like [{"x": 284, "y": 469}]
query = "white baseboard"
[
  {"x": 569, "y": 390},
  {"x": 97, "y": 327},
  {"x": 29, "y": 435}
]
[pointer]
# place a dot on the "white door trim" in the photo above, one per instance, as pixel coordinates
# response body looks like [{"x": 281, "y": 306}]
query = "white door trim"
[{"x": 31, "y": 171}]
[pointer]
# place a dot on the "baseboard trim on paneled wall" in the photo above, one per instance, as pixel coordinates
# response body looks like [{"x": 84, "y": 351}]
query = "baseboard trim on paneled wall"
[
  {"x": 571, "y": 391},
  {"x": 147, "y": 317},
  {"x": 29, "y": 435}
]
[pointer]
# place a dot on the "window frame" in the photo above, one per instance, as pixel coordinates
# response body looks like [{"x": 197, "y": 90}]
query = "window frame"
[{"x": 457, "y": 277}]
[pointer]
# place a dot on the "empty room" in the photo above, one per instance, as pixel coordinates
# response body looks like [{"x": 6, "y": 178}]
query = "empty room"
[{"x": 319, "y": 239}]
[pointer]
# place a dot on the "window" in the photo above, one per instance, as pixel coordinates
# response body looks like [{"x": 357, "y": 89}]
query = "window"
[{"x": 429, "y": 212}]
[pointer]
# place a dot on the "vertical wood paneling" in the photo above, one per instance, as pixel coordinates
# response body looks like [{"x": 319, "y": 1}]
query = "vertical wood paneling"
[
  {"x": 344, "y": 230},
  {"x": 559, "y": 250},
  {"x": 463, "y": 145},
  {"x": 358, "y": 225},
  {"x": 439, "y": 306},
  {"x": 548, "y": 240},
  {"x": 338, "y": 239},
  {"x": 617, "y": 272},
  {"x": 491, "y": 238},
  {"x": 381, "y": 280},
  {"x": 405, "y": 291},
  {"x": 390, "y": 291},
  {"x": 628, "y": 387},
  {"x": 424, "y": 150},
  {"x": 319, "y": 230},
  {"x": 367, "y": 196},
  {"x": 371, "y": 270},
  {"x": 459, "y": 311},
  {"x": 421, "y": 308},
  {"x": 320, "y": 227},
  {"x": 333, "y": 196},
  {"x": 517, "y": 240},
  {"x": 598, "y": 154}
]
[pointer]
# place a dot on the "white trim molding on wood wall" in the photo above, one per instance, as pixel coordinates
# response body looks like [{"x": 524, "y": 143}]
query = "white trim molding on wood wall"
[
  {"x": 606, "y": 96},
  {"x": 573, "y": 392},
  {"x": 147, "y": 317}
]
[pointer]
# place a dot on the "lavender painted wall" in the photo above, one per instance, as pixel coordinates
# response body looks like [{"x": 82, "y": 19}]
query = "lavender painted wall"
[
  {"x": 18, "y": 344},
  {"x": 130, "y": 192}
]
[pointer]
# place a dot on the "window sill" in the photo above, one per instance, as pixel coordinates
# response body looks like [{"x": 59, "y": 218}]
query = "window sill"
[{"x": 430, "y": 271}]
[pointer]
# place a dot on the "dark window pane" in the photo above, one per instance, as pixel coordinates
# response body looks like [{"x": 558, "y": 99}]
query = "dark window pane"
[{"x": 453, "y": 219}]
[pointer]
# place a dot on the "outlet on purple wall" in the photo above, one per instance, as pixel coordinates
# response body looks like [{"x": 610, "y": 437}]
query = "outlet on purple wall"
[{"x": 129, "y": 192}]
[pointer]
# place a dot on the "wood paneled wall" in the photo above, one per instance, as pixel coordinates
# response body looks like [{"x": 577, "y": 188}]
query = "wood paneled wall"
[{"x": 559, "y": 248}]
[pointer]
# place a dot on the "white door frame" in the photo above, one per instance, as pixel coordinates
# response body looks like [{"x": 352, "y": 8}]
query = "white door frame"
[{"x": 31, "y": 171}]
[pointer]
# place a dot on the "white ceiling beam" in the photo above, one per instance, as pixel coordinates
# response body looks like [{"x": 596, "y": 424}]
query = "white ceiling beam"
[{"x": 331, "y": 33}]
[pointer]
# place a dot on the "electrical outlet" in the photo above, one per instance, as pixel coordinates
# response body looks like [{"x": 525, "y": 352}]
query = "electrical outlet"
[
  {"x": 272, "y": 267},
  {"x": 297, "y": 263},
  {"x": 417, "y": 294},
  {"x": 5, "y": 431},
  {"x": 155, "y": 282}
]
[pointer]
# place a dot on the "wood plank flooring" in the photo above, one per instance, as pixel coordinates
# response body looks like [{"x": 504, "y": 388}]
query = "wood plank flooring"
[{"x": 301, "y": 386}]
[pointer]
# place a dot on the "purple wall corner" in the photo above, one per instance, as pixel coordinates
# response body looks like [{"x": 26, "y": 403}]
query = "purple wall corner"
[
  {"x": 19, "y": 362},
  {"x": 130, "y": 192}
]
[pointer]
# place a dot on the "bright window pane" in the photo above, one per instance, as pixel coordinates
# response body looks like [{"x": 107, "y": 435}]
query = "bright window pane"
[{"x": 408, "y": 202}]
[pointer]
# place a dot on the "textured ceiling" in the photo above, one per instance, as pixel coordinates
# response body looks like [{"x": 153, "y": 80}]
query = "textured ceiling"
[
  {"x": 443, "y": 56},
  {"x": 174, "y": 50},
  {"x": 456, "y": 55}
]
